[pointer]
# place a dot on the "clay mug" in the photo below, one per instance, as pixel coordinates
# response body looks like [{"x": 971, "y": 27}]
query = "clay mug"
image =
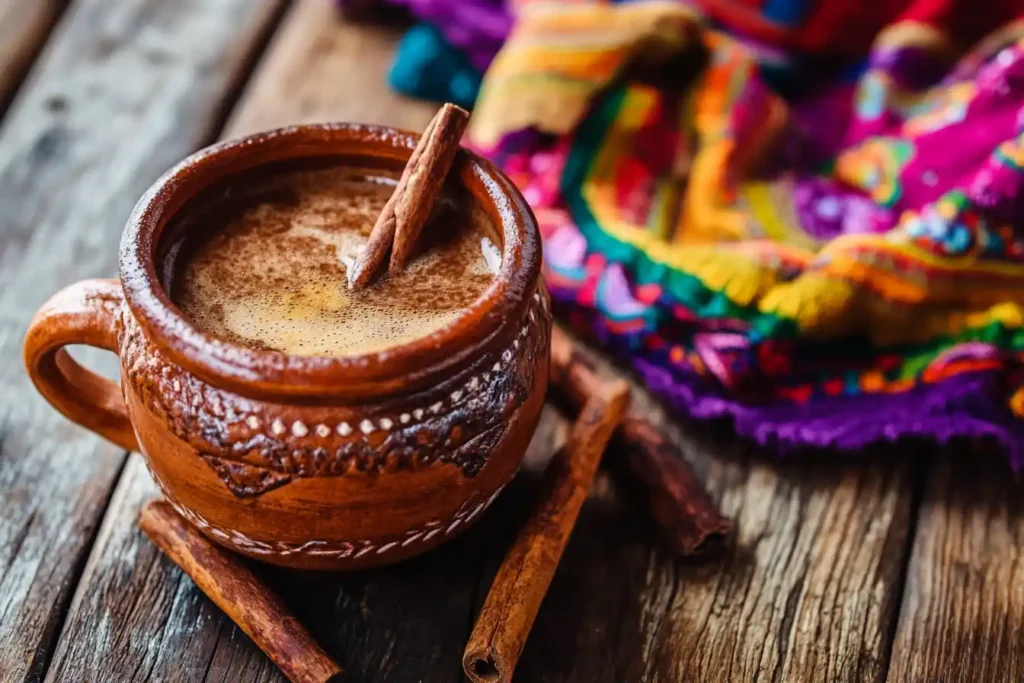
[{"x": 310, "y": 462}]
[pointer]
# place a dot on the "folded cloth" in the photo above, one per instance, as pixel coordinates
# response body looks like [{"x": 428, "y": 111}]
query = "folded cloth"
[{"x": 802, "y": 216}]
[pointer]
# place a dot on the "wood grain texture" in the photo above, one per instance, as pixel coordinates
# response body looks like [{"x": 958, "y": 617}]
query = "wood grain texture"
[
  {"x": 807, "y": 590},
  {"x": 136, "y": 617},
  {"x": 962, "y": 617},
  {"x": 123, "y": 90},
  {"x": 320, "y": 67},
  {"x": 23, "y": 28},
  {"x": 227, "y": 579}
]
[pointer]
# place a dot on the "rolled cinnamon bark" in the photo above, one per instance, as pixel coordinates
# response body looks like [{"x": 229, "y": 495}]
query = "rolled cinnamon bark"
[
  {"x": 522, "y": 580},
  {"x": 675, "y": 497},
  {"x": 241, "y": 595},
  {"x": 400, "y": 223}
]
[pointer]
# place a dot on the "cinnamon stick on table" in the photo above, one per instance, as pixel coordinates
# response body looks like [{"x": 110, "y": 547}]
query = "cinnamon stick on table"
[
  {"x": 675, "y": 497},
  {"x": 401, "y": 222},
  {"x": 241, "y": 595},
  {"x": 523, "y": 578}
]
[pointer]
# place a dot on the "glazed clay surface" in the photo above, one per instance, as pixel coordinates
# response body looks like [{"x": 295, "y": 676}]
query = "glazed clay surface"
[
  {"x": 311, "y": 462},
  {"x": 377, "y": 482}
]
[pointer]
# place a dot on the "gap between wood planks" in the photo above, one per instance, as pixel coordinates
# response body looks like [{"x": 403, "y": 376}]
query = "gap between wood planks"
[
  {"x": 920, "y": 466},
  {"x": 962, "y": 613}
]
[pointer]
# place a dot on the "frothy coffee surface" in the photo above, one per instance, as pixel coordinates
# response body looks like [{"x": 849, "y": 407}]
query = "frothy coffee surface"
[{"x": 269, "y": 269}]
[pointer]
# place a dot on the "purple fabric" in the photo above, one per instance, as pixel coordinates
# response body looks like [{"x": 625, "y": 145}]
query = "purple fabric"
[
  {"x": 962, "y": 407},
  {"x": 816, "y": 129},
  {"x": 827, "y": 210},
  {"x": 476, "y": 27}
]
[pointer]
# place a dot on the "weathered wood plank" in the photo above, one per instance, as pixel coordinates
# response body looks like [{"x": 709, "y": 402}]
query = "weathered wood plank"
[
  {"x": 122, "y": 90},
  {"x": 322, "y": 68},
  {"x": 604, "y": 603},
  {"x": 23, "y": 28},
  {"x": 806, "y": 591},
  {"x": 137, "y": 620},
  {"x": 962, "y": 618},
  {"x": 810, "y": 589}
]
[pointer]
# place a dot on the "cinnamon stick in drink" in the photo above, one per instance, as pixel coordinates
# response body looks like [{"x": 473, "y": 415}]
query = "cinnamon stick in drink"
[
  {"x": 400, "y": 223},
  {"x": 675, "y": 497},
  {"x": 522, "y": 580},
  {"x": 241, "y": 595}
]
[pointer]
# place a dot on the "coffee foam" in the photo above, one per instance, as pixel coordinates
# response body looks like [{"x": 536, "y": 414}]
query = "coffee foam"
[{"x": 274, "y": 274}]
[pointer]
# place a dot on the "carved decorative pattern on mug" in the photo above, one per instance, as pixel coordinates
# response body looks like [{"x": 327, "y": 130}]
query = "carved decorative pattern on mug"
[
  {"x": 254, "y": 447},
  {"x": 333, "y": 549}
]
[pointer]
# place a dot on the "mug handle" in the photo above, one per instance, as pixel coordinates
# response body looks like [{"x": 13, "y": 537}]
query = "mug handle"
[{"x": 83, "y": 313}]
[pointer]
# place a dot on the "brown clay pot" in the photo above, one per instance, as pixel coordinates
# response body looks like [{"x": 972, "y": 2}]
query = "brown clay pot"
[{"x": 310, "y": 462}]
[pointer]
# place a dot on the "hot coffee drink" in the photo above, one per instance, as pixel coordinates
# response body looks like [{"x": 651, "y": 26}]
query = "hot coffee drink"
[
  {"x": 312, "y": 462},
  {"x": 263, "y": 261}
]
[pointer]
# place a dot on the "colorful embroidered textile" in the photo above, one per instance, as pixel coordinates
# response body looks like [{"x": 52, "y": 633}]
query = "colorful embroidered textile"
[{"x": 829, "y": 252}]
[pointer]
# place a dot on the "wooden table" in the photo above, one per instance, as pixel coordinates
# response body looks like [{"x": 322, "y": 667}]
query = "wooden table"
[{"x": 904, "y": 563}]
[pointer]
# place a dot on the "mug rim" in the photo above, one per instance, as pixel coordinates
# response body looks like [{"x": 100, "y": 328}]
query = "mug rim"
[{"x": 393, "y": 370}]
